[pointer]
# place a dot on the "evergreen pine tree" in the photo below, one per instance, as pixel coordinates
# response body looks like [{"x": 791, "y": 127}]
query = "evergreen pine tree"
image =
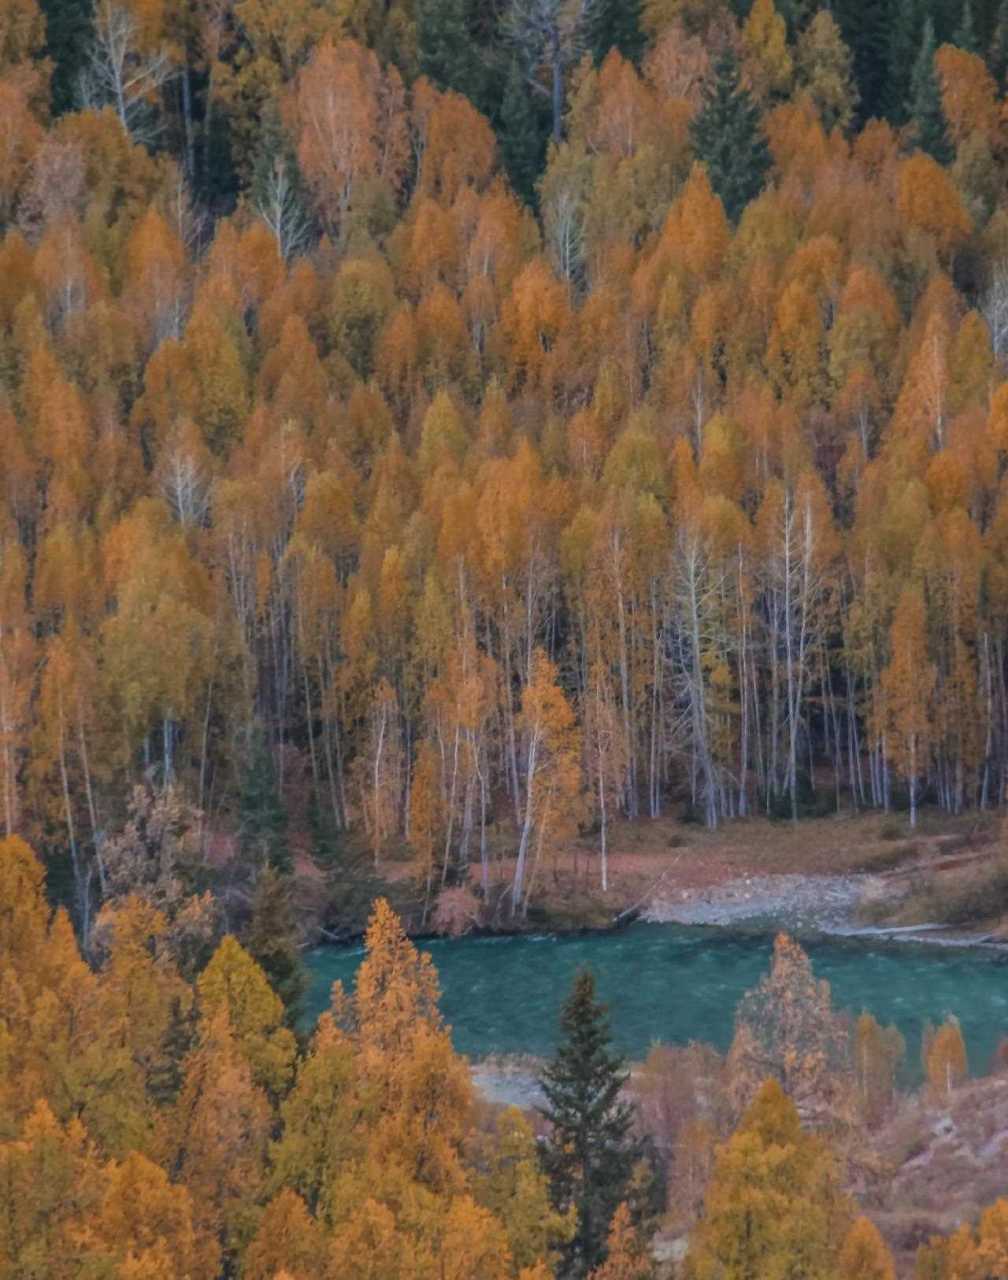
[
  {"x": 796, "y": 13},
  {"x": 262, "y": 817},
  {"x": 729, "y": 140},
  {"x": 445, "y": 46},
  {"x": 68, "y": 35},
  {"x": 591, "y": 1149},
  {"x": 614, "y": 24},
  {"x": 904, "y": 38},
  {"x": 521, "y": 135},
  {"x": 925, "y": 109},
  {"x": 997, "y": 56},
  {"x": 965, "y": 36},
  {"x": 272, "y": 941},
  {"x": 865, "y": 29}
]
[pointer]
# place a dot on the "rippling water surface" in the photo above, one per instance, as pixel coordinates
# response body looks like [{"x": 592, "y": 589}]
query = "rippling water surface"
[{"x": 673, "y": 984}]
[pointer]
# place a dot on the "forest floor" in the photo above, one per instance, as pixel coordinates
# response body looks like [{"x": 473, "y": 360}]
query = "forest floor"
[{"x": 946, "y": 881}]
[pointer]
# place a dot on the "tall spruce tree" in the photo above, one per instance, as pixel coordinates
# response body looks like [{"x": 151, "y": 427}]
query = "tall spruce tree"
[
  {"x": 591, "y": 1150},
  {"x": 68, "y": 34},
  {"x": 521, "y": 135},
  {"x": 614, "y": 24},
  {"x": 865, "y": 29},
  {"x": 997, "y": 55},
  {"x": 729, "y": 140},
  {"x": 445, "y": 46},
  {"x": 925, "y": 113},
  {"x": 904, "y": 25},
  {"x": 965, "y": 36}
]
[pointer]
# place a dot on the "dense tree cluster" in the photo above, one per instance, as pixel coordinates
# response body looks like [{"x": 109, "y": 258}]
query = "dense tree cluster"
[
  {"x": 369, "y": 479},
  {"x": 159, "y": 1125},
  {"x": 156, "y": 1127}
]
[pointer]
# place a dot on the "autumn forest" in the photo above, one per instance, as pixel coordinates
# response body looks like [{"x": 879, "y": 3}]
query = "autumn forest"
[{"x": 432, "y": 432}]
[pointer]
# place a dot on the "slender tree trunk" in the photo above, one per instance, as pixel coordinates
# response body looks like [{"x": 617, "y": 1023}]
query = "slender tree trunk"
[{"x": 517, "y": 884}]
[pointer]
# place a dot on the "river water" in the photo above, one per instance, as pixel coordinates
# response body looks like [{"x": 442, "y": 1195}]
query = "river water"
[{"x": 672, "y": 984}]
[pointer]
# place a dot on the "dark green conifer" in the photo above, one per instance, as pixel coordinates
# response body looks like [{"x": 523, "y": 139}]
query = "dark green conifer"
[
  {"x": 965, "y": 36},
  {"x": 614, "y": 24},
  {"x": 591, "y": 1150},
  {"x": 445, "y": 46},
  {"x": 997, "y": 57},
  {"x": 729, "y": 140},
  {"x": 904, "y": 23},
  {"x": 521, "y": 135},
  {"x": 925, "y": 113},
  {"x": 865, "y": 29},
  {"x": 68, "y": 36}
]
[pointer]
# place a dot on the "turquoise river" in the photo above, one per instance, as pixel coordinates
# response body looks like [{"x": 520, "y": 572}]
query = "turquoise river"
[{"x": 671, "y": 984}]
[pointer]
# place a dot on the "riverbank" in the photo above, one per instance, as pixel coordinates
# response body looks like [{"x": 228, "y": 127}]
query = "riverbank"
[
  {"x": 846, "y": 874},
  {"x": 851, "y": 906}
]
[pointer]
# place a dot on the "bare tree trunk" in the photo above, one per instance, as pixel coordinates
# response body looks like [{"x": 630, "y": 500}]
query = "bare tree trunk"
[{"x": 517, "y": 884}]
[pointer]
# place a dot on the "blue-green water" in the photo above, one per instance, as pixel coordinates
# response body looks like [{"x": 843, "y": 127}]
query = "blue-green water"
[{"x": 674, "y": 984}]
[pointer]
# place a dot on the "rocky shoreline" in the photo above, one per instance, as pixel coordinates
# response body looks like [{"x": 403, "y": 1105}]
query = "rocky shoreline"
[{"x": 803, "y": 905}]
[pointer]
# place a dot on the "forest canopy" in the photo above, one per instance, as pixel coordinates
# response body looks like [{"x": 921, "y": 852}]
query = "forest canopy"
[{"x": 418, "y": 417}]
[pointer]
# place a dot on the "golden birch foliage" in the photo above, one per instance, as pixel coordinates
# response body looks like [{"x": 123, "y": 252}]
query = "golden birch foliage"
[
  {"x": 548, "y": 721},
  {"x": 419, "y": 1091},
  {"x": 864, "y": 1254},
  {"x": 786, "y": 1028},
  {"x": 143, "y": 1227},
  {"x": 454, "y": 141},
  {"x": 17, "y": 677},
  {"x": 24, "y": 912},
  {"x": 825, "y": 71},
  {"x": 216, "y": 1136},
  {"x": 351, "y": 128},
  {"x": 143, "y": 997},
  {"x": 471, "y": 1243},
  {"x": 234, "y": 986},
  {"x": 156, "y": 271},
  {"x": 22, "y": 33},
  {"x": 427, "y": 817},
  {"x": 319, "y": 1115},
  {"x": 626, "y": 1255},
  {"x": 443, "y": 437},
  {"x": 362, "y": 299},
  {"x": 288, "y": 1241},
  {"x": 677, "y": 66},
  {"x": 929, "y": 204},
  {"x": 370, "y": 1246},
  {"x": 698, "y": 232},
  {"x": 767, "y": 60},
  {"x": 970, "y": 1252},
  {"x": 877, "y": 1053},
  {"x": 796, "y": 346},
  {"x": 908, "y": 686},
  {"x": 773, "y": 1206},
  {"x": 969, "y": 94},
  {"x": 50, "y": 1184},
  {"x": 397, "y": 987},
  {"x": 292, "y": 378},
  {"x": 533, "y": 315},
  {"x": 21, "y": 135},
  {"x": 74, "y": 1059},
  {"x": 511, "y": 1184},
  {"x": 945, "y": 1058},
  {"x": 379, "y": 768}
]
